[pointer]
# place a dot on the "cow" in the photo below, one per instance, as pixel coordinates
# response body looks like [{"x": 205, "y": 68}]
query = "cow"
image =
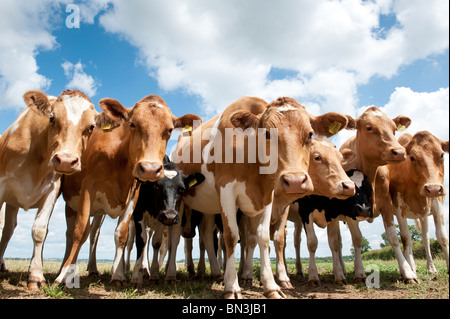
[
  {"x": 329, "y": 179},
  {"x": 320, "y": 210},
  {"x": 125, "y": 149},
  {"x": 45, "y": 142},
  {"x": 375, "y": 146},
  {"x": 262, "y": 170},
  {"x": 158, "y": 206},
  {"x": 417, "y": 190}
]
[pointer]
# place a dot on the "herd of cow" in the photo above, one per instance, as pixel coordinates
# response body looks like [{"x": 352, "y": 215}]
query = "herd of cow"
[{"x": 114, "y": 163}]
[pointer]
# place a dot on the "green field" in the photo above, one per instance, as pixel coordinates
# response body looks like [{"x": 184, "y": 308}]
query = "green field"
[{"x": 430, "y": 286}]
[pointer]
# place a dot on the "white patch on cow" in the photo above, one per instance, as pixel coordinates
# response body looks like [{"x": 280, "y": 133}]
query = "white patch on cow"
[
  {"x": 170, "y": 174},
  {"x": 16, "y": 123},
  {"x": 357, "y": 178},
  {"x": 75, "y": 106},
  {"x": 401, "y": 208},
  {"x": 155, "y": 104},
  {"x": 378, "y": 113},
  {"x": 101, "y": 205},
  {"x": 285, "y": 108},
  {"x": 326, "y": 143},
  {"x": 51, "y": 98}
]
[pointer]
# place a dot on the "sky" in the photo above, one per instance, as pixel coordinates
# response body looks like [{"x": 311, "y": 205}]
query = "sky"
[{"x": 201, "y": 55}]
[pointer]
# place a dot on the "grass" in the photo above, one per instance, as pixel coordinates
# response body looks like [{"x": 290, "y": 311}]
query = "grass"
[{"x": 430, "y": 286}]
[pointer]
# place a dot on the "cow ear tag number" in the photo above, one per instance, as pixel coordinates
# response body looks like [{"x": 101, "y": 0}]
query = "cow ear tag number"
[
  {"x": 401, "y": 127},
  {"x": 335, "y": 127},
  {"x": 187, "y": 130}
]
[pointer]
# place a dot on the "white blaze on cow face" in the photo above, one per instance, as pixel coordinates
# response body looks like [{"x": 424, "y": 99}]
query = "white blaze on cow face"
[
  {"x": 75, "y": 106},
  {"x": 170, "y": 174},
  {"x": 357, "y": 178}
]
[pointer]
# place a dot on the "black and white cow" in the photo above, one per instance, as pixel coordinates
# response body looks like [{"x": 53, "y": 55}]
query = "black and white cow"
[
  {"x": 320, "y": 210},
  {"x": 159, "y": 206}
]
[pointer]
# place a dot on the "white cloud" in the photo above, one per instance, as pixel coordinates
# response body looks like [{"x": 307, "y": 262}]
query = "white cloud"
[
  {"x": 79, "y": 79},
  {"x": 220, "y": 51}
]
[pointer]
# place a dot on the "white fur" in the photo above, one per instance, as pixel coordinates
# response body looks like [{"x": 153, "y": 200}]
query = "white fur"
[
  {"x": 285, "y": 108},
  {"x": 170, "y": 174},
  {"x": 75, "y": 106},
  {"x": 357, "y": 178}
]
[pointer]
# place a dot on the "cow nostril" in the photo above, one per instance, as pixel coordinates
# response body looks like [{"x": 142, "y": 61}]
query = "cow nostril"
[
  {"x": 74, "y": 162},
  {"x": 56, "y": 160}
]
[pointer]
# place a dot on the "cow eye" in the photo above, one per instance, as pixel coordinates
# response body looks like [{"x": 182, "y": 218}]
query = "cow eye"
[
  {"x": 52, "y": 119},
  {"x": 317, "y": 157},
  {"x": 412, "y": 158},
  {"x": 369, "y": 128},
  {"x": 91, "y": 128},
  {"x": 132, "y": 125}
]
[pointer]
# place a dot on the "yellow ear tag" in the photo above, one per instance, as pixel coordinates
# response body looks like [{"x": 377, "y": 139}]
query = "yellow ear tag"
[
  {"x": 401, "y": 127},
  {"x": 192, "y": 182},
  {"x": 334, "y": 127},
  {"x": 106, "y": 127},
  {"x": 187, "y": 130}
]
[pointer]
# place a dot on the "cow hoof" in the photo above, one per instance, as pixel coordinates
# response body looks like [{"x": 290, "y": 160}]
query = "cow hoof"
[
  {"x": 154, "y": 281},
  {"x": 139, "y": 285},
  {"x": 411, "y": 281},
  {"x": 117, "y": 284},
  {"x": 274, "y": 294},
  {"x": 314, "y": 283},
  {"x": 360, "y": 280},
  {"x": 232, "y": 295},
  {"x": 286, "y": 285},
  {"x": 341, "y": 282},
  {"x": 35, "y": 283},
  {"x": 94, "y": 274},
  {"x": 247, "y": 282}
]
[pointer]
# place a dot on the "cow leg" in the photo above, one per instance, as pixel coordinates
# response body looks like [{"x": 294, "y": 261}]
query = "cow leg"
[
  {"x": 279, "y": 239},
  {"x": 80, "y": 234},
  {"x": 174, "y": 235},
  {"x": 9, "y": 223},
  {"x": 437, "y": 210},
  {"x": 71, "y": 216},
  {"x": 156, "y": 245},
  {"x": 163, "y": 250},
  {"x": 426, "y": 242},
  {"x": 242, "y": 244},
  {"x": 357, "y": 239},
  {"x": 249, "y": 237},
  {"x": 39, "y": 233},
  {"x": 96, "y": 225},
  {"x": 405, "y": 236},
  {"x": 201, "y": 266},
  {"x": 141, "y": 265},
  {"x": 312, "y": 242},
  {"x": 130, "y": 244},
  {"x": 297, "y": 240},
  {"x": 189, "y": 262},
  {"x": 334, "y": 241},
  {"x": 207, "y": 233},
  {"x": 261, "y": 223}
]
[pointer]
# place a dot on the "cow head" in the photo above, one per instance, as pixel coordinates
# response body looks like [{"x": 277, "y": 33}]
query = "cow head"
[
  {"x": 426, "y": 160},
  {"x": 71, "y": 119},
  {"x": 361, "y": 202},
  {"x": 148, "y": 125},
  {"x": 168, "y": 192},
  {"x": 294, "y": 128},
  {"x": 326, "y": 171},
  {"x": 376, "y": 136}
]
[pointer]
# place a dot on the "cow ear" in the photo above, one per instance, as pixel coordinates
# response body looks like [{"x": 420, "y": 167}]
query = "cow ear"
[
  {"x": 194, "y": 180},
  {"x": 244, "y": 120},
  {"x": 351, "y": 123},
  {"x": 329, "y": 124},
  {"x": 187, "y": 121},
  {"x": 402, "y": 122},
  {"x": 348, "y": 155},
  {"x": 404, "y": 139},
  {"x": 38, "y": 101},
  {"x": 444, "y": 145},
  {"x": 113, "y": 109}
]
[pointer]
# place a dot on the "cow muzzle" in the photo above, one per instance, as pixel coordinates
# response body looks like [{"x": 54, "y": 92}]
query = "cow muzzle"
[
  {"x": 65, "y": 163},
  {"x": 169, "y": 217},
  {"x": 433, "y": 190},
  {"x": 296, "y": 183},
  {"x": 148, "y": 171},
  {"x": 363, "y": 212},
  {"x": 395, "y": 155},
  {"x": 348, "y": 189}
]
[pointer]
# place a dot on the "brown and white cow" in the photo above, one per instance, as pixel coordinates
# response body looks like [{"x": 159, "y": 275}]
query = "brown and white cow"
[
  {"x": 329, "y": 180},
  {"x": 127, "y": 148},
  {"x": 45, "y": 142},
  {"x": 375, "y": 146},
  {"x": 417, "y": 190},
  {"x": 264, "y": 178}
]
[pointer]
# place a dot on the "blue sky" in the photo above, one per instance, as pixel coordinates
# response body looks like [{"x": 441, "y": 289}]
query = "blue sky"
[{"x": 201, "y": 55}]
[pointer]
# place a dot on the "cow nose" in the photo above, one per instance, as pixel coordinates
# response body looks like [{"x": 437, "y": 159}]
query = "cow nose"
[
  {"x": 65, "y": 163},
  {"x": 168, "y": 218},
  {"x": 149, "y": 171},
  {"x": 348, "y": 188},
  {"x": 365, "y": 211},
  {"x": 433, "y": 190},
  {"x": 296, "y": 183},
  {"x": 398, "y": 154}
]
